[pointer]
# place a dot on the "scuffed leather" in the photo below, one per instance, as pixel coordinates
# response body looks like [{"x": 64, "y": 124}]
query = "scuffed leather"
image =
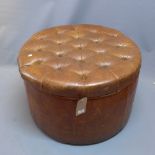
[{"x": 79, "y": 60}]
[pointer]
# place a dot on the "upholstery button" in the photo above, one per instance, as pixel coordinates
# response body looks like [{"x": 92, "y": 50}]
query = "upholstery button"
[
  {"x": 96, "y": 40},
  {"x": 83, "y": 77},
  {"x": 59, "y": 68},
  {"x": 43, "y": 38},
  {"x": 121, "y": 45},
  {"x": 92, "y": 30},
  {"x": 56, "y": 66},
  {"x": 59, "y": 43},
  {"x": 29, "y": 55},
  {"x": 100, "y": 51},
  {"x": 80, "y": 47},
  {"x": 59, "y": 54},
  {"x": 82, "y": 60},
  {"x": 113, "y": 35},
  {"x": 38, "y": 62},
  {"x": 59, "y": 32},
  {"x": 76, "y": 36},
  {"x": 104, "y": 64},
  {"x": 125, "y": 57},
  {"x": 39, "y": 50}
]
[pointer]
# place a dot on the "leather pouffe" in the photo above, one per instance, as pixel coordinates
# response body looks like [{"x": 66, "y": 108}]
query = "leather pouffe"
[{"x": 80, "y": 80}]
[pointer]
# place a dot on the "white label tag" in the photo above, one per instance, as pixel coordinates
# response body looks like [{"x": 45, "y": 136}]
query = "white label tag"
[{"x": 81, "y": 106}]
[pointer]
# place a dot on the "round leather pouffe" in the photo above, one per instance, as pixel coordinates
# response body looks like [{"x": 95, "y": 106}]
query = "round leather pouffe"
[{"x": 80, "y": 81}]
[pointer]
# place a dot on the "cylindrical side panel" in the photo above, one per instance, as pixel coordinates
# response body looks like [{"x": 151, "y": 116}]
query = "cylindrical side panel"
[{"x": 104, "y": 116}]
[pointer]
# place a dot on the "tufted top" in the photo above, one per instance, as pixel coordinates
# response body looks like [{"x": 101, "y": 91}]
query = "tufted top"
[{"x": 79, "y": 60}]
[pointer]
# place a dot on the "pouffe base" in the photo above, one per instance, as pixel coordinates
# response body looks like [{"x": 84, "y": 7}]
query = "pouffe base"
[{"x": 104, "y": 117}]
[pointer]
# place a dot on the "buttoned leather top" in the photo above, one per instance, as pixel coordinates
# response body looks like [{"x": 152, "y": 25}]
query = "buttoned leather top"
[{"x": 79, "y": 60}]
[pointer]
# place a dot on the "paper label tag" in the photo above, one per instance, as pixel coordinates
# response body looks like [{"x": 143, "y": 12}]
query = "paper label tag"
[{"x": 81, "y": 106}]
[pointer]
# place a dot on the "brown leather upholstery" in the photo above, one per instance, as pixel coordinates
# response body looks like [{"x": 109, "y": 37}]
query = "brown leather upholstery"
[
  {"x": 63, "y": 64},
  {"x": 79, "y": 60},
  {"x": 104, "y": 117}
]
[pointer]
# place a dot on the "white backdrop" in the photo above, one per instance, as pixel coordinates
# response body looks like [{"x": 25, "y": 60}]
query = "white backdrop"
[{"x": 19, "y": 19}]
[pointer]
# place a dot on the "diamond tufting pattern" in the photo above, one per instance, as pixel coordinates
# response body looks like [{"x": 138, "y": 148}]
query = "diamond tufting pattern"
[{"x": 79, "y": 60}]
